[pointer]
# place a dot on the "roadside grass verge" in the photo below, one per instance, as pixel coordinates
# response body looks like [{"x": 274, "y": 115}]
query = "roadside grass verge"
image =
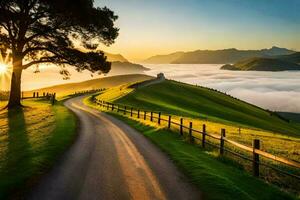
[
  {"x": 31, "y": 139},
  {"x": 236, "y": 168},
  {"x": 216, "y": 177},
  {"x": 149, "y": 98},
  {"x": 199, "y": 102}
]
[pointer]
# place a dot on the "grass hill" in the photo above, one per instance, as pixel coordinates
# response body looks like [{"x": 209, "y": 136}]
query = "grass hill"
[
  {"x": 216, "y": 56},
  {"x": 262, "y": 64},
  {"x": 200, "y": 106},
  {"x": 93, "y": 84},
  {"x": 199, "y": 102},
  {"x": 291, "y": 116}
]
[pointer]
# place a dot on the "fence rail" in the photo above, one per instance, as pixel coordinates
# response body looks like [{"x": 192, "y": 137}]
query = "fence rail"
[
  {"x": 254, "y": 150},
  {"x": 4, "y": 96}
]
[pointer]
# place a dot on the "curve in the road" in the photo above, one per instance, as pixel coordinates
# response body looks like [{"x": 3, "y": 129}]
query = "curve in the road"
[{"x": 111, "y": 160}]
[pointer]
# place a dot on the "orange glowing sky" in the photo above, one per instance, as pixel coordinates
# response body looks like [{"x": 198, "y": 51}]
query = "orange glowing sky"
[{"x": 149, "y": 28}]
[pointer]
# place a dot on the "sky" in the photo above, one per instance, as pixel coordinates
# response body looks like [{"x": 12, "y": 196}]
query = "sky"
[{"x": 151, "y": 27}]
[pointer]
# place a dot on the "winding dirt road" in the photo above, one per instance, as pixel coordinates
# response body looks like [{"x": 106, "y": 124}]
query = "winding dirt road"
[{"x": 110, "y": 160}]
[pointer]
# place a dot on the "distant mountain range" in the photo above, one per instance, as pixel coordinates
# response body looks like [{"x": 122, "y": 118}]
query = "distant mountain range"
[
  {"x": 119, "y": 68},
  {"x": 121, "y": 65},
  {"x": 164, "y": 59},
  {"x": 216, "y": 56},
  {"x": 115, "y": 57},
  {"x": 274, "y": 63}
]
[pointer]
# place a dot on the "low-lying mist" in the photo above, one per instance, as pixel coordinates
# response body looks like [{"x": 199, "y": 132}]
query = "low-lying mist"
[
  {"x": 277, "y": 91},
  {"x": 49, "y": 76}
]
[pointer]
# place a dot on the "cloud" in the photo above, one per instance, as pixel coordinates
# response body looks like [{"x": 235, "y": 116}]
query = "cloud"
[
  {"x": 278, "y": 91},
  {"x": 270, "y": 99}
]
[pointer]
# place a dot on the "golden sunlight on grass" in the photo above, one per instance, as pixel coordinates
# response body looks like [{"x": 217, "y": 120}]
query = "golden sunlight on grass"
[
  {"x": 31, "y": 139},
  {"x": 276, "y": 143}
]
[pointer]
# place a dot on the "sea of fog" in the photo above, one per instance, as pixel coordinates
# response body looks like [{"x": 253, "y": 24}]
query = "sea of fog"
[{"x": 278, "y": 91}]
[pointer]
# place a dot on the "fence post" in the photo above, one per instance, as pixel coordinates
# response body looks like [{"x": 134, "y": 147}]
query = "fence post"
[
  {"x": 159, "y": 116},
  {"x": 256, "y": 145},
  {"x": 53, "y": 98},
  {"x": 112, "y": 107},
  {"x": 107, "y": 107},
  {"x": 125, "y": 110},
  {"x": 191, "y": 133},
  {"x": 131, "y": 112},
  {"x": 151, "y": 117},
  {"x": 145, "y": 115},
  {"x": 169, "y": 122},
  {"x": 118, "y": 108},
  {"x": 138, "y": 114},
  {"x": 33, "y": 95},
  {"x": 37, "y": 95},
  {"x": 223, "y": 134},
  {"x": 181, "y": 124},
  {"x": 203, "y": 135}
]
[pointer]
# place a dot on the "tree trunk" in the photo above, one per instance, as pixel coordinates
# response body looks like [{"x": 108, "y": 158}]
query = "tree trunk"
[{"x": 15, "y": 88}]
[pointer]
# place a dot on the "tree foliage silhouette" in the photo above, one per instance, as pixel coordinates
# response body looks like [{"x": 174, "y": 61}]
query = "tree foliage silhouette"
[{"x": 60, "y": 32}]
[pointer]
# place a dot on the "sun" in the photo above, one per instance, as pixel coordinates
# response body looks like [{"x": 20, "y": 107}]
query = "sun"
[{"x": 3, "y": 68}]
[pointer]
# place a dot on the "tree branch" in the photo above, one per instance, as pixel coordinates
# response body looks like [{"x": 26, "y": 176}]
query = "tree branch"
[{"x": 43, "y": 60}]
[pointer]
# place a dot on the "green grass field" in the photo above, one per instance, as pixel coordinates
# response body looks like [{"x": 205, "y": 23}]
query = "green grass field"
[
  {"x": 31, "y": 139},
  {"x": 185, "y": 100},
  {"x": 198, "y": 102},
  {"x": 216, "y": 177},
  {"x": 243, "y": 122},
  {"x": 106, "y": 82}
]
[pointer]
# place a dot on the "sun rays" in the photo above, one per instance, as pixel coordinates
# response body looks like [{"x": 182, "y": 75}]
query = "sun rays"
[
  {"x": 5, "y": 71},
  {"x": 3, "y": 68}
]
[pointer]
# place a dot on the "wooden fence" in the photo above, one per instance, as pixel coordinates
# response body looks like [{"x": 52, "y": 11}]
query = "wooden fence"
[
  {"x": 4, "y": 95},
  {"x": 33, "y": 95},
  {"x": 254, "y": 150},
  {"x": 78, "y": 93}
]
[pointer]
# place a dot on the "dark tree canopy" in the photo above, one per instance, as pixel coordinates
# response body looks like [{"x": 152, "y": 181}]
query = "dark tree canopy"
[{"x": 61, "y": 32}]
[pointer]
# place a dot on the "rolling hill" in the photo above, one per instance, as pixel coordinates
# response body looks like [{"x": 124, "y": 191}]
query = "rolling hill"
[
  {"x": 192, "y": 101},
  {"x": 217, "y": 56},
  {"x": 198, "y": 106},
  {"x": 106, "y": 82},
  {"x": 262, "y": 64}
]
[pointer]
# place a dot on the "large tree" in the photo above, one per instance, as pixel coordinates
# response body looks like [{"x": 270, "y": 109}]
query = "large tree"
[{"x": 60, "y": 32}]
